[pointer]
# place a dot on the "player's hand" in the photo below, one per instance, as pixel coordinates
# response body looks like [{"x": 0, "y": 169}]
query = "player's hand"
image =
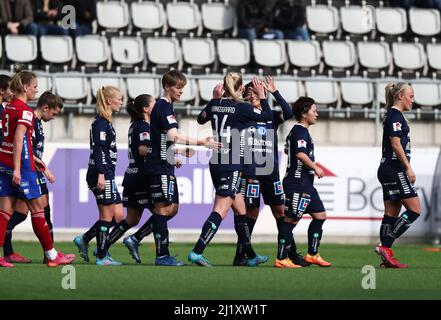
[
  {"x": 101, "y": 185},
  {"x": 39, "y": 165},
  {"x": 210, "y": 143},
  {"x": 319, "y": 172},
  {"x": 178, "y": 163},
  {"x": 16, "y": 178},
  {"x": 49, "y": 176},
  {"x": 411, "y": 175},
  {"x": 258, "y": 88},
  {"x": 269, "y": 84},
  {"x": 218, "y": 90}
]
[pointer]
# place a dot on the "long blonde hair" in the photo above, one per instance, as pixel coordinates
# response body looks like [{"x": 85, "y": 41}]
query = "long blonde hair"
[
  {"x": 392, "y": 90},
  {"x": 20, "y": 79},
  {"x": 232, "y": 83},
  {"x": 102, "y": 107}
]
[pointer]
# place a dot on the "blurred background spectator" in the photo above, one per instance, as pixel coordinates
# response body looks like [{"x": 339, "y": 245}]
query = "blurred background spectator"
[
  {"x": 85, "y": 15},
  {"x": 290, "y": 17},
  {"x": 15, "y": 16},
  {"x": 406, "y": 4},
  {"x": 47, "y": 13}
]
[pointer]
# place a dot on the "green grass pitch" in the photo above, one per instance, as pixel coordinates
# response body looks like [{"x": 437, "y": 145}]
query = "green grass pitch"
[{"x": 223, "y": 281}]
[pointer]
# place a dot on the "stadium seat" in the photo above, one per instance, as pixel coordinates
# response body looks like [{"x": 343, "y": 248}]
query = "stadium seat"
[
  {"x": 357, "y": 20},
  {"x": 408, "y": 57},
  {"x": 233, "y": 52},
  {"x": 206, "y": 86},
  {"x": 290, "y": 90},
  {"x": 44, "y": 84},
  {"x": 56, "y": 50},
  {"x": 1, "y": 52},
  {"x": 112, "y": 16},
  {"x": 374, "y": 57},
  {"x": 148, "y": 16},
  {"x": 391, "y": 21},
  {"x": 21, "y": 48},
  {"x": 143, "y": 85},
  {"x": 218, "y": 18},
  {"x": 127, "y": 51},
  {"x": 433, "y": 56},
  {"x": 72, "y": 88},
  {"x": 427, "y": 95},
  {"x": 304, "y": 55},
  {"x": 92, "y": 50},
  {"x": 325, "y": 93},
  {"x": 357, "y": 94},
  {"x": 425, "y": 22},
  {"x": 322, "y": 19},
  {"x": 163, "y": 52},
  {"x": 198, "y": 53},
  {"x": 97, "y": 82},
  {"x": 269, "y": 53},
  {"x": 339, "y": 56},
  {"x": 189, "y": 96},
  {"x": 183, "y": 17},
  {"x": 381, "y": 85}
]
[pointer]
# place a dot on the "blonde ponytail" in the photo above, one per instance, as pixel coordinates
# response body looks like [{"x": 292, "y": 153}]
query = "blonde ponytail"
[
  {"x": 232, "y": 83},
  {"x": 20, "y": 79},
  {"x": 392, "y": 90},
  {"x": 102, "y": 107}
]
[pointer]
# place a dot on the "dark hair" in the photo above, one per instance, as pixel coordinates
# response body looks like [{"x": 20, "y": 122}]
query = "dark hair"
[
  {"x": 249, "y": 85},
  {"x": 172, "y": 78},
  {"x": 301, "y": 106},
  {"x": 5, "y": 81},
  {"x": 51, "y": 100},
  {"x": 134, "y": 107}
]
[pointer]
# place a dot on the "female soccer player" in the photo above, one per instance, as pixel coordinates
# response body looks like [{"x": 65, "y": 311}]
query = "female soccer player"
[
  {"x": 17, "y": 168},
  {"x": 5, "y": 96},
  {"x": 159, "y": 167},
  {"x": 300, "y": 195},
  {"x": 48, "y": 106},
  {"x": 262, "y": 175},
  {"x": 395, "y": 173},
  {"x": 101, "y": 172},
  {"x": 229, "y": 118}
]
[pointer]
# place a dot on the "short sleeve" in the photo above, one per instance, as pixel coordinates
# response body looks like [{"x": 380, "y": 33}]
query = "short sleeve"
[
  {"x": 143, "y": 134},
  {"x": 396, "y": 125},
  {"x": 300, "y": 141},
  {"x": 99, "y": 132},
  {"x": 26, "y": 118},
  {"x": 167, "y": 118}
]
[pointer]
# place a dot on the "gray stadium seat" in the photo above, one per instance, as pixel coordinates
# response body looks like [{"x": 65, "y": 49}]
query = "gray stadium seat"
[
  {"x": 97, "y": 82},
  {"x": 304, "y": 54},
  {"x": 183, "y": 16},
  {"x": 357, "y": 94},
  {"x": 357, "y": 20},
  {"x": 322, "y": 19},
  {"x": 198, "y": 52},
  {"x": 72, "y": 88},
  {"x": 112, "y": 15},
  {"x": 128, "y": 51},
  {"x": 339, "y": 55},
  {"x": 56, "y": 49},
  {"x": 269, "y": 53},
  {"x": 218, "y": 17},
  {"x": 143, "y": 85},
  {"x": 290, "y": 90},
  {"x": 21, "y": 48},
  {"x": 323, "y": 92},
  {"x": 44, "y": 84},
  {"x": 206, "y": 86},
  {"x": 433, "y": 56},
  {"x": 148, "y": 15},
  {"x": 374, "y": 55},
  {"x": 163, "y": 51},
  {"x": 381, "y": 95},
  {"x": 425, "y": 22},
  {"x": 233, "y": 52},
  {"x": 408, "y": 56},
  {"x": 92, "y": 49},
  {"x": 427, "y": 94},
  {"x": 391, "y": 21},
  {"x": 189, "y": 95}
]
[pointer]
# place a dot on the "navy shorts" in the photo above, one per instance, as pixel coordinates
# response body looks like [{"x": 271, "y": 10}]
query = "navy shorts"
[
  {"x": 269, "y": 186},
  {"x": 136, "y": 193},
  {"x": 163, "y": 188},
  {"x": 29, "y": 187},
  {"x": 226, "y": 183},
  {"x": 108, "y": 196},
  {"x": 43, "y": 183},
  {"x": 395, "y": 183},
  {"x": 300, "y": 199}
]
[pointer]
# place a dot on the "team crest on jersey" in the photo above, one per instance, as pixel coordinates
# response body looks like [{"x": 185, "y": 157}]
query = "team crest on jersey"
[
  {"x": 253, "y": 191},
  {"x": 171, "y": 188},
  {"x": 27, "y": 115},
  {"x": 144, "y": 136},
  {"x": 171, "y": 119},
  {"x": 396, "y": 126},
  {"x": 301, "y": 143},
  {"x": 303, "y": 204},
  {"x": 102, "y": 135},
  {"x": 278, "y": 189},
  {"x": 261, "y": 130}
]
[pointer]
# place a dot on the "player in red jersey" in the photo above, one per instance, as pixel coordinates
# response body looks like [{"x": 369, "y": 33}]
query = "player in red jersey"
[{"x": 18, "y": 177}]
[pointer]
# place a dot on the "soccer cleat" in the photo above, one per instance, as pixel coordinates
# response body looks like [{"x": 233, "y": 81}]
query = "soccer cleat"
[
  {"x": 285, "y": 263},
  {"x": 168, "y": 261},
  {"x": 83, "y": 247},
  {"x": 132, "y": 244},
  {"x": 317, "y": 259},
  {"x": 240, "y": 261},
  {"x": 107, "y": 261},
  {"x": 17, "y": 258},
  {"x": 95, "y": 253},
  {"x": 387, "y": 255},
  {"x": 254, "y": 262},
  {"x": 61, "y": 259},
  {"x": 198, "y": 259},
  {"x": 5, "y": 264},
  {"x": 299, "y": 260}
]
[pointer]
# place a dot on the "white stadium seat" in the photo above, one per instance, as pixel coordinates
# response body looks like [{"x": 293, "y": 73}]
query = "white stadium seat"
[
  {"x": 427, "y": 94},
  {"x": 148, "y": 15},
  {"x": 206, "y": 86},
  {"x": 322, "y": 19},
  {"x": 233, "y": 52},
  {"x": 357, "y": 93},
  {"x": 269, "y": 53},
  {"x": 408, "y": 55},
  {"x": 97, "y": 82},
  {"x": 190, "y": 91},
  {"x": 112, "y": 15},
  {"x": 20, "y": 48},
  {"x": 425, "y": 22},
  {"x": 374, "y": 55},
  {"x": 71, "y": 87},
  {"x": 127, "y": 50},
  {"x": 391, "y": 21},
  {"x": 143, "y": 85},
  {"x": 358, "y": 20},
  {"x": 339, "y": 54},
  {"x": 290, "y": 90},
  {"x": 304, "y": 54},
  {"x": 217, "y": 17},
  {"x": 433, "y": 55},
  {"x": 92, "y": 49},
  {"x": 381, "y": 94},
  {"x": 198, "y": 51},
  {"x": 183, "y": 16},
  {"x": 44, "y": 84},
  {"x": 323, "y": 92},
  {"x": 163, "y": 51},
  {"x": 56, "y": 49}
]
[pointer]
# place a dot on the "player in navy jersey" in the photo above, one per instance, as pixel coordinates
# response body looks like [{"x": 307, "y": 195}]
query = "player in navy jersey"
[
  {"x": 262, "y": 175},
  {"x": 230, "y": 117},
  {"x": 298, "y": 184},
  {"x": 395, "y": 173},
  {"x": 18, "y": 176},
  {"x": 159, "y": 169},
  {"x": 48, "y": 106},
  {"x": 101, "y": 174}
]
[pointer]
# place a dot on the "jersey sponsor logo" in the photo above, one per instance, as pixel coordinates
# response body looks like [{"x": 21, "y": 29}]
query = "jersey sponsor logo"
[
  {"x": 261, "y": 130},
  {"x": 171, "y": 119},
  {"x": 396, "y": 126},
  {"x": 144, "y": 136},
  {"x": 171, "y": 187},
  {"x": 303, "y": 204},
  {"x": 301, "y": 143},
  {"x": 27, "y": 115},
  {"x": 102, "y": 135},
  {"x": 278, "y": 189},
  {"x": 258, "y": 111},
  {"x": 253, "y": 191}
]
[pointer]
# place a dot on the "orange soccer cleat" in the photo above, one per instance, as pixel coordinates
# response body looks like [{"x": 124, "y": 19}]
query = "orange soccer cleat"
[
  {"x": 317, "y": 259},
  {"x": 285, "y": 263}
]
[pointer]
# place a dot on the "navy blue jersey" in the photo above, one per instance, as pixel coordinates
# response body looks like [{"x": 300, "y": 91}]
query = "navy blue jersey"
[
  {"x": 299, "y": 140},
  {"x": 38, "y": 139},
  {"x": 262, "y": 141},
  {"x": 395, "y": 125},
  {"x": 139, "y": 135},
  {"x": 1, "y": 129},
  {"x": 228, "y": 120},
  {"x": 162, "y": 119},
  {"x": 103, "y": 152}
]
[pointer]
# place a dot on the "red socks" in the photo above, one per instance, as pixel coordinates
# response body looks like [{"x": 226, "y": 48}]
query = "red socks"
[
  {"x": 41, "y": 230},
  {"x": 4, "y": 218}
]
